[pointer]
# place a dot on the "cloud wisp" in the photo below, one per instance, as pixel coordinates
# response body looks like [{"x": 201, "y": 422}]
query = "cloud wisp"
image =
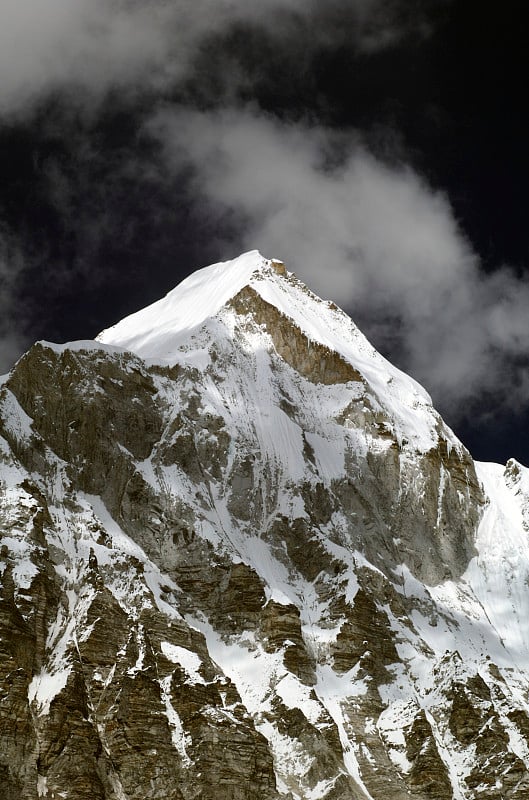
[
  {"x": 374, "y": 237},
  {"x": 95, "y": 45}
]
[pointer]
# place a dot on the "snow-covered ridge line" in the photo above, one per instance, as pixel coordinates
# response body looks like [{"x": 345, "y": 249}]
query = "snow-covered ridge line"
[
  {"x": 82, "y": 345},
  {"x": 187, "y": 306}
]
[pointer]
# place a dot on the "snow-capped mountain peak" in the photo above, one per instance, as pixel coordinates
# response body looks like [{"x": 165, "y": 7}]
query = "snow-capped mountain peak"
[
  {"x": 184, "y": 324},
  {"x": 243, "y": 557}
]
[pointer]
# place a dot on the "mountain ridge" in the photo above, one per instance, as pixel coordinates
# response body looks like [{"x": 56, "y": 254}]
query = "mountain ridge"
[{"x": 228, "y": 577}]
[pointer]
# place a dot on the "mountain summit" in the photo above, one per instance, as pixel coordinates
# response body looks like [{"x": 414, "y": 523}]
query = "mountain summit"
[
  {"x": 319, "y": 339},
  {"x": 244, "y": 557}
]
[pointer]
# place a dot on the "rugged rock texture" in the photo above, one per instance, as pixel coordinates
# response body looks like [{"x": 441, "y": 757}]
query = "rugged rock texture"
[{"x": 255, "y": 566}]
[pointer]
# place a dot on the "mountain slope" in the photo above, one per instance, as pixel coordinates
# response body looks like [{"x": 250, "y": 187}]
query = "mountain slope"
[{"x": 244, "y": 557}]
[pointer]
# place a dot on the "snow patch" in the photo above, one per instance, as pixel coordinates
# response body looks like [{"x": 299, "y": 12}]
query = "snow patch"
[
  {"x": 45, "y": 686},
  {"x": 187, "y": 659}
]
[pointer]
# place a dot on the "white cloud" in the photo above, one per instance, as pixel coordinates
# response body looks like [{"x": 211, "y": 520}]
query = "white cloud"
[
  {"x": 48, "y": 45},
  {"x": 56, "y": 44},
  {"x": 373, "y": 237}
]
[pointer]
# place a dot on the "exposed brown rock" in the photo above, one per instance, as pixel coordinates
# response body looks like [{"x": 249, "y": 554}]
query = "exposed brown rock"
[
  {"x": 365, "y": 637},
  {"x": 280, "y": 627},
  {"x": 428, "y": 777},
  {"x": 311, "y": 359}
]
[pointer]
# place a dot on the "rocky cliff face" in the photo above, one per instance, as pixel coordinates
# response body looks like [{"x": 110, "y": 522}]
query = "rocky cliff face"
[{"x": 243, "y": 557}]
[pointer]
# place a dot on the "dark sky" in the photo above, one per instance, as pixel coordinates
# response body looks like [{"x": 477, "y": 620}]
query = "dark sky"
[{"x": 378, "y": 147}]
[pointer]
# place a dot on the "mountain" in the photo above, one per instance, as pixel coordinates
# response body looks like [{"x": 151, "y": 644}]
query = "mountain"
[{"x": 243, "y": 557}]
